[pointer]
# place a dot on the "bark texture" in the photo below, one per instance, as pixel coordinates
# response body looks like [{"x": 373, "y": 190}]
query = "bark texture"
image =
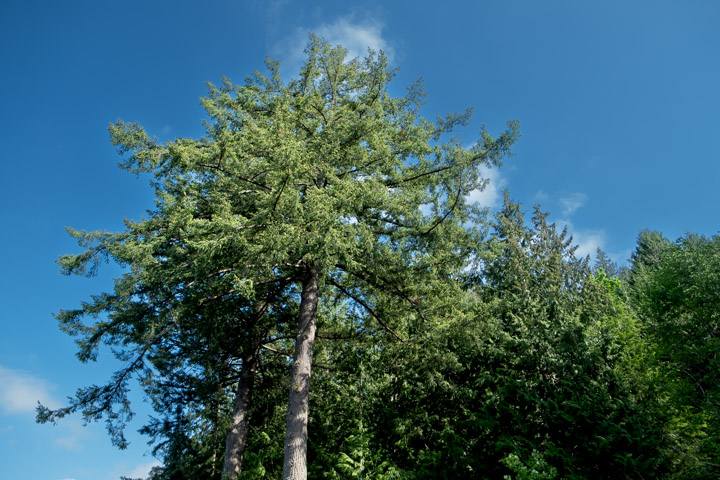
[
  {"x": 235, "y": 443},
  {"x": 295, "y": 466}
]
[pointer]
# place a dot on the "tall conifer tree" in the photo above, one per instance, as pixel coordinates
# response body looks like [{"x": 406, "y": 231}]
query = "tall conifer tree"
[{"x": 321, "y": 187}]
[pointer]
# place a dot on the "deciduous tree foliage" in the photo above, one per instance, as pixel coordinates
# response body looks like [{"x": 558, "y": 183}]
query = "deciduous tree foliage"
[
  {"x": 300, "y": 193},
  {"x": 676, "y": 288}
]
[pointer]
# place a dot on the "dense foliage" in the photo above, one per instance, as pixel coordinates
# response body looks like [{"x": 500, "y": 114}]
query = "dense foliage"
[
  {"x": 676, "y": 288},
  {"x": 449, "y": 345},
  {"x": 532, "y": 369}
]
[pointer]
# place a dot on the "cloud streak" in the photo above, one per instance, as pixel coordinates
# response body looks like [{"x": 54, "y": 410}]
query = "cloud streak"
[
  {"x": 21, "y": 391},
  {"x": 355, "y": 36},
  {"x": 587, "y": 241},
  {"x": 572, "y": 202},
  {"x": 490, "y": 195},
  {"x": 143, "y": 470},
  {"x": 71, "y": 443}
]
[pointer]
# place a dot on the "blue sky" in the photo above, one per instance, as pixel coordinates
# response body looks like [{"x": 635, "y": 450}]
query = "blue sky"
[{"x": 618, "y": 103}]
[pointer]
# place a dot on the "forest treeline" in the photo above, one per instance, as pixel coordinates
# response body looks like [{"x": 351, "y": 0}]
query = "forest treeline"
[{"x": 314, "y": 297}]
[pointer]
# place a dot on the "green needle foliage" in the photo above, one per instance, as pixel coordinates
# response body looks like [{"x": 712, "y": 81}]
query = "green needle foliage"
[
  {"x": 676, "y": 289},
  {"x": 530, "y": 376},
  {"x": 321, "y": 190},
  {"x": 321, "y": 226}
]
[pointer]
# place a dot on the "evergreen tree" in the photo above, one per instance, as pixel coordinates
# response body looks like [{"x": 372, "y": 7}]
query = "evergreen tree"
[
  {"x": 676, "y": 288},
  {"x": 533, "y": 370},
  {"x": 300, "y": 193}
]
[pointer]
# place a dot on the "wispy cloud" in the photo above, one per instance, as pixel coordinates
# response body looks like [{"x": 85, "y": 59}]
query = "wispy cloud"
[
  {"x": 69, "y": 442},
  {"x": 540, "y": 196},
  {"x": 75, "y": 435},
  {"x": 143, "y": 470},
  {"x": 273, "y": 6},
  {"x": 572, "y": 202},
  {"x": 587, "y": 241},
  {"x": 21, "y": 391},
  {"x": 490, "y": 195},
  {"x": 354, "y": 35}
]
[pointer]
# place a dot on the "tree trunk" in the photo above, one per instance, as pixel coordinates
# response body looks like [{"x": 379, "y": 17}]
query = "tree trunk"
[
  {"x": 235, "y": 443},
  {"x": 295, "y": 466}
]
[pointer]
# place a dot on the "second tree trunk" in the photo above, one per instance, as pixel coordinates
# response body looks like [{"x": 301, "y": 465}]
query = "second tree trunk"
[{"x": 295, "y": 467}]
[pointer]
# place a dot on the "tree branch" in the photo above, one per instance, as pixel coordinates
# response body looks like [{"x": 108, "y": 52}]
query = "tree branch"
[
  {"x": 257, "y": 184},
  {"x": 368, "y": 308},
  {"x": 447, "y": 214}
]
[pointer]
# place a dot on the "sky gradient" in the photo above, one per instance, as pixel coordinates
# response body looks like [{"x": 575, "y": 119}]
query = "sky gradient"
[{"x": 617, "y": 102}]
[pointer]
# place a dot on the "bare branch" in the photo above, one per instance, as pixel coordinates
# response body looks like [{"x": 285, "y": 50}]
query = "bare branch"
[
  {"x": 447, "y": 214},
  {"x": 368, "y": 308},
  {"x": 257, "y": 184},
  {"x": 386, "y": 285},
  {"x": 286, "y": 354}
]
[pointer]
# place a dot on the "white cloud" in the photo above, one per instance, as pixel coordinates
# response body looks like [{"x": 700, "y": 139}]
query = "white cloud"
[
  {"x": 540, "y": 196},
  {"x": 20, "y": 392},
  {"x": 490, "y": 196},
  {"x": 71, "y": 443},
  {"x": 355, "y": 36},
  {"x": 572, "y": 202},
  {"x": 273, "y": 6},
  {"x": 142, "y": 471},
  {"x": 75, "y": 435},
  {"x": 587, "y": 241}
]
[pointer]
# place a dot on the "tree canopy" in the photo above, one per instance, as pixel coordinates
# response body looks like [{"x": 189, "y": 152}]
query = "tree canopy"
[
  {"x": 676, "y": 289},
  {"x": 322, "y": 227},
  {"x": 322, "y": 187}
]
